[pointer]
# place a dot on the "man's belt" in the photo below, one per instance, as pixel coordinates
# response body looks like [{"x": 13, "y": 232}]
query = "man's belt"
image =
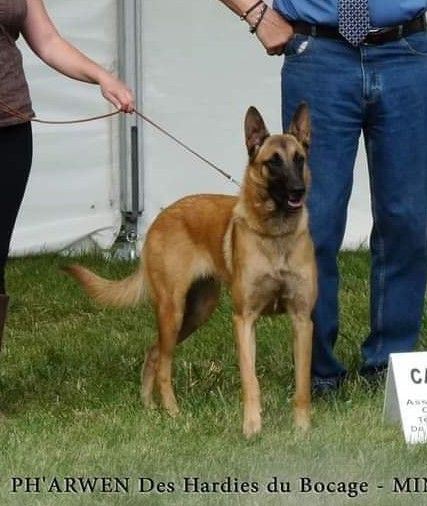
[{"x": 375, "y": 36}]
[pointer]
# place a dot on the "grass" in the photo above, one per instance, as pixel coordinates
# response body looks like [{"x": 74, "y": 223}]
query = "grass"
[{"x": 69, "y": 389}]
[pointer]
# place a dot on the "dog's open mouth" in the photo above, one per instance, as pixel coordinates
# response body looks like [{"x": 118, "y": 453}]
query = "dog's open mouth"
[{"x": 296, "y": 200}]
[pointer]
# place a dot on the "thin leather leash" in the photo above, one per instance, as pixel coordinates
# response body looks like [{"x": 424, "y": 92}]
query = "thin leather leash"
[{"x": 12, "y": 112}]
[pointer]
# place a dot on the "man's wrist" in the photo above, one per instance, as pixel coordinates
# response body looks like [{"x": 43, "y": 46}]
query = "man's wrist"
[
  {"x": 253, "y": 27},
  {"x": 251, "y": 14}
]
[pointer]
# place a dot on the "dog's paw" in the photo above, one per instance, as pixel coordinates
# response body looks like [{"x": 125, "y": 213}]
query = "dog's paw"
[
  {"x": 252, "y": 425},
  {"x": 149, "y": 404},
  {"x": 172, "y": 410},
  {"x": 302, "y": 420},
  {"x": 147, "y": 399}
]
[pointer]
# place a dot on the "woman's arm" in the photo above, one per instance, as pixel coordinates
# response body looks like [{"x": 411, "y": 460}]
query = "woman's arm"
[
  {"x": 274, "y": 31},
  {"x": 45, "y": 40}
]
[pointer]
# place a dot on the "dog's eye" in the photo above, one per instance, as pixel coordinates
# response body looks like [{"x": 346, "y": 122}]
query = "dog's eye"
[
  {"x": 275, "y": 163},
  {"x": 299, "y": 161}
]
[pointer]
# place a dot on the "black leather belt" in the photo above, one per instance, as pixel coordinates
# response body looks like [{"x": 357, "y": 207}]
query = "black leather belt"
[{"x": 375, "y": 36}]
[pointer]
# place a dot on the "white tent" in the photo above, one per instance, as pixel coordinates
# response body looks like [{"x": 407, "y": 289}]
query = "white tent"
[{"x": 195, "y": 69}]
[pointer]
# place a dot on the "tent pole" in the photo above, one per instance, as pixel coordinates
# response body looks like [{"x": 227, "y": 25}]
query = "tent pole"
[{"x": 131, "y": 168}]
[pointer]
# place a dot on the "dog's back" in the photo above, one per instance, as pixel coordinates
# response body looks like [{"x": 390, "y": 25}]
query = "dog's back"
[
  {"x": 188, "y": 236},
  {"x": 184, "y": 243}
]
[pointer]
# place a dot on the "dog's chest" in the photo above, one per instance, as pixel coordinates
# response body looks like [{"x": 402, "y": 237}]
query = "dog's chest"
[
  {"x": 280, "y": 282},
  {"x": 274, "y": 276}
]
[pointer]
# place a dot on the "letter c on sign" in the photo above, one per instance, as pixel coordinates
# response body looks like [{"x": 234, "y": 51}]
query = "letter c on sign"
[{"x": 415, "y": 376}]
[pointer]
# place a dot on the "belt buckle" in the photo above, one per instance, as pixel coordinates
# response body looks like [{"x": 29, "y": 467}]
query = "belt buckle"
[{"x": 375, "y": 34}]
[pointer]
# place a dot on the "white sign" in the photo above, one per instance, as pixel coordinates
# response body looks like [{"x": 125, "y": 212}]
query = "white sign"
[{"x": 406, "y": 394}]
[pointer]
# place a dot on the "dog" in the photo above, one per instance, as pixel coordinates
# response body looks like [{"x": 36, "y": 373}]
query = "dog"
[{"x": 258, "y": 243}]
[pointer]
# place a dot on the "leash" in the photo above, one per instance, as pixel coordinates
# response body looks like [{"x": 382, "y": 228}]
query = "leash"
[
  {"x": 13, "y": 112},
  {"x": 187, "y": 148}
]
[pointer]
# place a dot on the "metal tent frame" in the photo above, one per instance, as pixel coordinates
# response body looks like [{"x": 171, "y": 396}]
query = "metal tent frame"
[{"x": 129, "y": 19}]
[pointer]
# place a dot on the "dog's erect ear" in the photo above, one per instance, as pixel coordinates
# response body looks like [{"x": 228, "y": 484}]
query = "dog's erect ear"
[
  {"x": 255, "y": 131},
  {"x": 301, "y": 125}
]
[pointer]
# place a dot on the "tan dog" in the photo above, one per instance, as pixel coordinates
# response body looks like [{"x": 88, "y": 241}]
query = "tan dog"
[{"x": 258, "y": 243}]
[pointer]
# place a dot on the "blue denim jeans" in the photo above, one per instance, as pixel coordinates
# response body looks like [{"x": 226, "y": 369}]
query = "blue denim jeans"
[{"x": 380, "y": 92}]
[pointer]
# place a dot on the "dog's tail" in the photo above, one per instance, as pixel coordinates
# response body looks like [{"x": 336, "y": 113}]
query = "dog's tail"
[{"x": 122, "y": 293}]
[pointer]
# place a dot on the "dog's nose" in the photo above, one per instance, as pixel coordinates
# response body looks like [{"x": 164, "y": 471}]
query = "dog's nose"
[{"x": 297, "y": 193}]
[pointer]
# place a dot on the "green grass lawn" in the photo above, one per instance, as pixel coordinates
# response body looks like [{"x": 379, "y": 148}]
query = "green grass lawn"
[{"x": 69, "y": 390}]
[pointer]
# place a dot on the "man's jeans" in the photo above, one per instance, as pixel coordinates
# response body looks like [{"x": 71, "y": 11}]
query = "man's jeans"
[{"x": 382, "y": 92}]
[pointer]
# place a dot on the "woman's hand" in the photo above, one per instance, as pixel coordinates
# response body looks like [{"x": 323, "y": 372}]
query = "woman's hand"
[
  {"x": 116, "y": 92},
  {"x": 44, "y": 39}
]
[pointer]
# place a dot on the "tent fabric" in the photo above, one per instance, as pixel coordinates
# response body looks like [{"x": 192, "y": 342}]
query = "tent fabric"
[
  {"x": 197, "y": 78},
  {"x": 73, "y": 189}
]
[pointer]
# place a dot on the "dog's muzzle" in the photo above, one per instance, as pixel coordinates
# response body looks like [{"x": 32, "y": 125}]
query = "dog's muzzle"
[{"x": 296, "y": 198}]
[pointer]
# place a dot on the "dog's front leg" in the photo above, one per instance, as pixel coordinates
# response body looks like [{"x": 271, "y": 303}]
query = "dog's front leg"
[
  {"x": 303, "y": 337},
  {"x": 244, "y": 325}
]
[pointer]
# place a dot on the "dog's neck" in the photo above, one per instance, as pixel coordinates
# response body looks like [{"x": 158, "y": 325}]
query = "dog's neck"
[{"x": 259, "y": 212}]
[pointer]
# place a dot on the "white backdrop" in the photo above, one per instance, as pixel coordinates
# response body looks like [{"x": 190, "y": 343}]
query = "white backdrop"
[{"x": 201, "y": 69}]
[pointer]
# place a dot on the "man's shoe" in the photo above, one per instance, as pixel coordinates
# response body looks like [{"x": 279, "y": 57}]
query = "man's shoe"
[
  {"x": 374, "y": 376},
  {"x": 322, "y": 387}
]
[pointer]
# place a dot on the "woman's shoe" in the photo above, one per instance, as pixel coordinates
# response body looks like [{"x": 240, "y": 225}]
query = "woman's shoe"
[{"x": 4, "y": 302}]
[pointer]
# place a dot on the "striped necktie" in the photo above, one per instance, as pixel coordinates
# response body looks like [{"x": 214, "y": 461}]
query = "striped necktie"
[{"x": 353, "y": 20}]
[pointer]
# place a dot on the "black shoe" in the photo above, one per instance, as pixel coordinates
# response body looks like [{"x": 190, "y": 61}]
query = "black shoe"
[
  {"x": 374, "y": 376},
  {"x": 322, "y": 387}
]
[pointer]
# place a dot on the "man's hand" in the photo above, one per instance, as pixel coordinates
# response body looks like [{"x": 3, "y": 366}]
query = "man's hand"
[{"x": 274, "y": 31}]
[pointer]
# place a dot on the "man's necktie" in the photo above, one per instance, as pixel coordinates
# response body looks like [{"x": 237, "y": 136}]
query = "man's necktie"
[{"x": 353, "y": 20}]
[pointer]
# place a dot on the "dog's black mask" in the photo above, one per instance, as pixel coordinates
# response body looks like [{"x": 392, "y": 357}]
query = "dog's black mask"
[{"x": 286, "y": 186}]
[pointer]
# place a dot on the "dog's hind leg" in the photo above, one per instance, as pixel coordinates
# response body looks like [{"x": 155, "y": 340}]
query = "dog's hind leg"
[
  {"x": 200, "y": 302},
  {"x": 148, "y": 375},
  {"x": 170, "y": 314}
]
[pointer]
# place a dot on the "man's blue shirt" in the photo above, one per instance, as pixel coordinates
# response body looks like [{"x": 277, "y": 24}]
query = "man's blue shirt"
[{"x": 325, "y": 12}]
